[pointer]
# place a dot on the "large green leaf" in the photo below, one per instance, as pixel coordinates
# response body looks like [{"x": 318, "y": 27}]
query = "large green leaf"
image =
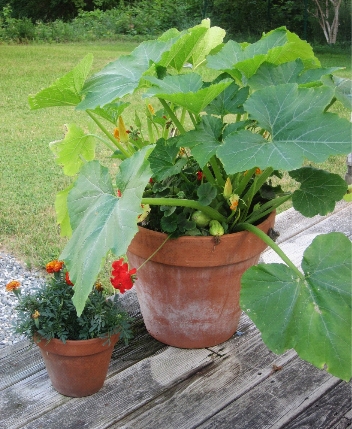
[
  {"x": 122, "y": 76},
  {"x": 319, "y": 191},
  {"x": 183, "y": 48},
  {"x": 298, "y": 126},
  {"x": 276, "y": 47},
  {"x": 311, "y": 315},
  {"x": 294, "y": 48},
  {"x": 100, "y": 221},
  {"x": 211, "y": 39},
  {"x": 227, "y": 57},
  {"x": 229, "y": 101},
  {"x": 111, "y": 111},
  {"x": 343, "y": 89},
  {"x": 75, "y": 149},
  {"x": 185, "y": 90},
  {"x": 164, "y": 161},
  {"x": 66, "y": 91},
  {"x": 233, "y": 53},
  {"x": 204, "y": 140},
  {"x": 290, "y": 72}
]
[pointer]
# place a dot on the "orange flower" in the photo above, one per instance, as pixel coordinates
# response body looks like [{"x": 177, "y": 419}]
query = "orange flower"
[
  {"x": 54, "y": 266},
  {"x": 36, "y": 314},
  {"x": 234, "y": 205},
  {"x": 182, "y": 151},
  {"x": 13, "y": 285},
  {"x": 258, "y": 171},
  {"x": 99, "y": 287},
  {"x": 117, "y": 133},
  {"x": 233, "y": 200}
]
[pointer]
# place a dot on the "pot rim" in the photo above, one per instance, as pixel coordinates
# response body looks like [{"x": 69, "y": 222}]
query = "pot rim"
[
  {"x": 76, "y": 347},
  {"x": 193, "y": 251}
]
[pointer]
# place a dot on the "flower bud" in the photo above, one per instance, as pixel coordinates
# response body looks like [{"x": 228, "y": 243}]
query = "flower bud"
[
  {"x": 215, "y": 228},
  {"x": 122, "y": 131},
  {"x": 227, "y": 188}
]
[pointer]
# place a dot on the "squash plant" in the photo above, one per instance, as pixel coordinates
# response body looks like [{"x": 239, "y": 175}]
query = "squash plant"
[{"x": 219, "y": 123}]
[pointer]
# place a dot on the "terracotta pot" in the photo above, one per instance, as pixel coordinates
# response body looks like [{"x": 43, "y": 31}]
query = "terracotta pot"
[
  {"x": 77, "y": 368},
  {"x": 189, "y": 290}
]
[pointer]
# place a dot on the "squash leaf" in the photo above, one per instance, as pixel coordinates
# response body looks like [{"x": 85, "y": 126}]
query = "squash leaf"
[
  {"x": 73, "y": 150},
  {"x": 311, "y": 315},
  {"x": 319, "y": 191},
  {"x": 66, "y": 91},
  {"x": 298, "y": 126},
  {"x": 102, "y": 222}
]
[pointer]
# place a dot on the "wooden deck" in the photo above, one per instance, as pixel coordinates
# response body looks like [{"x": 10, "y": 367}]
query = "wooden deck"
[{"x": 238, "y": 384}]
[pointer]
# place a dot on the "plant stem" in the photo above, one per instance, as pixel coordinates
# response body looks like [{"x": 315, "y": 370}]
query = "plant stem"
[
  {"x": 208, "y": 175},
  {"x": 172, "y": 116},
  {"x": 109, "y": 136},
  {"x": 267, "y": 240},
  {"x": 212, "y": 213},
  {"x": 150, "y": 131},
  {"x": 112, "y": 148},
  {"x": 216, "y": 169},
  {"x": 193, "y": 119},
  {"x": 157, "y": 250}
]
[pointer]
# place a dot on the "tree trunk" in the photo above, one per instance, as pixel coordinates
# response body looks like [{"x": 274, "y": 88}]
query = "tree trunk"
[{"x": 322, "y": 13}]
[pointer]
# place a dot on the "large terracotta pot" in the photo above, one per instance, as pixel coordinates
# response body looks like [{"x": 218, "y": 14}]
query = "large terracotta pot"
[
  {"x": 77, "y": 368},
  {"x": 189, "y": 290}
]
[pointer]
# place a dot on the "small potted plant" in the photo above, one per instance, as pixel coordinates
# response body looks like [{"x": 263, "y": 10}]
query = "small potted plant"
[
  {"x": 201, "y": 160},
  {"x": 76, "y": 350}
]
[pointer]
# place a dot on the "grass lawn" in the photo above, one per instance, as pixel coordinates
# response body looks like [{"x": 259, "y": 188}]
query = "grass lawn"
[{"x": 29, "y": 178}]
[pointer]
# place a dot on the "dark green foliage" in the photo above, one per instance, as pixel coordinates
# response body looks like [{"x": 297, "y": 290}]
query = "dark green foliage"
[
  {"x": 80, "y": 20},
  {"x": 58, "y": 317}
]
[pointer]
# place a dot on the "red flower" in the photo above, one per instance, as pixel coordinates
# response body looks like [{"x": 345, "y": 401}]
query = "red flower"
[
  {"x": 123, "y": 278},
  {"x": 119, "y": 193},
  {"x": 200, "y": 175},
  {"x": 67, "y": 279}
]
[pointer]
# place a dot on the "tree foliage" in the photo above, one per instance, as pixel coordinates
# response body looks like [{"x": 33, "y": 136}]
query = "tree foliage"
[{"x": 152, "y": 17}]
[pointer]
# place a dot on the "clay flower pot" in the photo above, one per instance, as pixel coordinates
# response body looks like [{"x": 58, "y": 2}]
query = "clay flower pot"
[
  {"x": 189, "y": 290},
  {"x": 77, "y": 368}
]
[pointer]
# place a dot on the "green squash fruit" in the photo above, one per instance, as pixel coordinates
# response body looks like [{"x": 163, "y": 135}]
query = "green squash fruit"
[
  {"x": 215, "y": 228},
  {"x": 200, "y": 218}
]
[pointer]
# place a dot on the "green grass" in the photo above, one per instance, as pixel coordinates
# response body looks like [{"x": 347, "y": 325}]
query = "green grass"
[{"x": 29, "y": 178}]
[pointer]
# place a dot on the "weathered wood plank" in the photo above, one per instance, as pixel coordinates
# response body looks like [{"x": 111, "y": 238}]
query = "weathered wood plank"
[
  {"x": 345, "y": 422},
  {"x": 294, "y": 246},
  {"x": 290, "y": 222},
  {"x": 124, "y": 392},
  {"x": 245, "y": 363},
  {"x": 19, "y": 361},
  {"x": 123, "y": 357},
  {"x": 275, "y": 402},
  {"x": 23, "y": 359},
  {"x": 328, "y": 411}
]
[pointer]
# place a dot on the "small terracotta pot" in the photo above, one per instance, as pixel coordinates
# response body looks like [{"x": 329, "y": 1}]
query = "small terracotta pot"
[
  {"x": 77, "y": 368},
  {"x": 189, "y": 290}
]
